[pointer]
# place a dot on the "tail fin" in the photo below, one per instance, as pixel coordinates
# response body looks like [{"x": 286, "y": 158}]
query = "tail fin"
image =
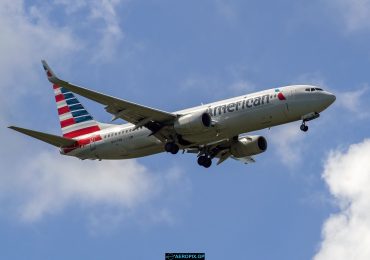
[{"x": 74, "y": 118}]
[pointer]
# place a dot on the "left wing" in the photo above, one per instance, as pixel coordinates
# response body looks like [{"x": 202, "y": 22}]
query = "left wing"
[{"x": 140, "y": 115}]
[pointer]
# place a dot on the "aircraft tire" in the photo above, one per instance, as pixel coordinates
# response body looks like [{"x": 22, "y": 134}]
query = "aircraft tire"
[
  {"x": 171, "y": 148},
  {"x": 204, "y": 161},
  {"x": 175, "y": 149},
  {"x": 304, "y": 128},
  {"x": 207, "y": 163},
  {"x": 201, "y": 160}
]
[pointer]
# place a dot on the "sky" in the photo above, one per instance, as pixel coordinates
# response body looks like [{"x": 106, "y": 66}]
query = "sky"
[{"x": 306, "y": 197}]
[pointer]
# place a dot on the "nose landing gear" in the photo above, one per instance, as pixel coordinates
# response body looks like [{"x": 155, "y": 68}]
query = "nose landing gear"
[
  {"x": 304, "y": 127},
  {"x": 308, "y": 117}
]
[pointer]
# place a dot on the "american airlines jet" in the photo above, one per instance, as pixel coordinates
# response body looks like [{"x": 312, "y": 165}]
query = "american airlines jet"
[{"x": 215, "y": 130}]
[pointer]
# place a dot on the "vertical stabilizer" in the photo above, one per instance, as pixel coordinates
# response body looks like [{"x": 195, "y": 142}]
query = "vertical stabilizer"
[{"x": 74, "y": 118}]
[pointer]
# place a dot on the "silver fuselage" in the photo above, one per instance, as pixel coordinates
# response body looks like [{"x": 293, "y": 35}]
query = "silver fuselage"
[{"x": 232, "y": 117}]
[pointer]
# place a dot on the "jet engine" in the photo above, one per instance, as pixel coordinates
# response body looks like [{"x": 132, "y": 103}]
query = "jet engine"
[
  {"x": 193, "y": 123},
  {"x": 248, "y": 146}
]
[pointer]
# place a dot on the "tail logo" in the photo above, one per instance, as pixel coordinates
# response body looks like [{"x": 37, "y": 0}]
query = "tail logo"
[{"x": 280, "y": 95}]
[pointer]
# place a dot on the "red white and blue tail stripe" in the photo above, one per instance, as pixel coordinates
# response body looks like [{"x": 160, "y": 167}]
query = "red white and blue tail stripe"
[{"x": 74, "y": 119}]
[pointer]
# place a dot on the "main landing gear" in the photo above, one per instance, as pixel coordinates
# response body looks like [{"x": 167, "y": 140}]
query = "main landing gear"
[
  {"x": 171, "y": 147},
  {"x": 205, "y": 161},
  {"x": 204, "y": 158}
]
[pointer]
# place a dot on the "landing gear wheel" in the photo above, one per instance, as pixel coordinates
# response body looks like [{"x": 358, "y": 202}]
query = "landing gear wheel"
[
  {"x": 204, "y": 161},
  {"x": 207, "y": 163},
  {"x": 175, "y": 149},
  {"x": 171, "y": 148},
  {"x": 304, "y": 128},
  {"x": 201, "y": 160}
]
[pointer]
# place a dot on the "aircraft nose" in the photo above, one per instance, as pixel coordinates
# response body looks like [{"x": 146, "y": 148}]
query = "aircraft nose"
[{"x": 331, "y": 98}]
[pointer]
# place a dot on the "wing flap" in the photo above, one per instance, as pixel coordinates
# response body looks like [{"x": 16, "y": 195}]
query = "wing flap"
[
  {"x": 55, "y": 140},
  {"x": 245, "y": 160}
]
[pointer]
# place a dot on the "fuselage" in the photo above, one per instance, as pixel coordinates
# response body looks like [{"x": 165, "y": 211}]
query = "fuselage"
[{"x": 231, "y": 117}]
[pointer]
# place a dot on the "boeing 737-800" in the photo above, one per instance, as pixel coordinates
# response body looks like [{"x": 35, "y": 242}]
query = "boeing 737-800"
[{"x": 215, "y": 130}]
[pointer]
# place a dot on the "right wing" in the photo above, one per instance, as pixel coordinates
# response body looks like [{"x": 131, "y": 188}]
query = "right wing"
[
  {"x": 140, "y": 115},
  {"x": 55, "y": 140}
]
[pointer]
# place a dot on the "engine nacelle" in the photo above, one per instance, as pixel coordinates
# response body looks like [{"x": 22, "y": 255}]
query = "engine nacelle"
[
  {"x": 248, "y": 146},
  {"x": 193, "y": 123}
]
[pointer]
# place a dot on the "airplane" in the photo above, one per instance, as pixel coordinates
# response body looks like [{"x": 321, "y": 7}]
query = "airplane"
[{"x": 214, "y": 130}]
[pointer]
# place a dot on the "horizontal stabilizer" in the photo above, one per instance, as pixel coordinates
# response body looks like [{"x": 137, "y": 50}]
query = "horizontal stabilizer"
[{"x": 55, "y": 140}]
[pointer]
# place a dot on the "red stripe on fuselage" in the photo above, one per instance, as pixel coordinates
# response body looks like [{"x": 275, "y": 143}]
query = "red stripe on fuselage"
[
  {"x": 63, "y": 110},
  {"x": 88, "y": 140},
  {"x": 59, "y": 97},
  {"x": 83, "y": 131},
  {"x": 67, "y": 122},
  {"x": 82, "y": 142}
]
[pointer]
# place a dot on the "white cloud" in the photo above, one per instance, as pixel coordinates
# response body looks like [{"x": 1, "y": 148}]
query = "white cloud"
[
  {"x": 346, "y": 234},
  {"x": 47, "y": 184},
  {"x": 25, "y": 39},
  {"x": 354, "y": 102},
  {"x": 104, "y": 16},
  {"x": 33, "y": 182},
  {"x": 288, "y": 141},
  {"x": 354, "y": 13}
]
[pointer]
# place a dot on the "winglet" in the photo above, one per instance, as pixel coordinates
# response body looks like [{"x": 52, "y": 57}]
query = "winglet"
[{"x": 49, "y": 73}]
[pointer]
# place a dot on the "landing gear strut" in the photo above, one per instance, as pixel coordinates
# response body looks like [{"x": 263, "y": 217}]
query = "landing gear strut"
[
  {"x": 308, "y": 117},
  {"x": 171, "y": 147},
  {"x": 204, "y": 161}
]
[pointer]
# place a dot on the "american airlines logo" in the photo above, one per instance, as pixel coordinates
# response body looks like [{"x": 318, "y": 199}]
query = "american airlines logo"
[
  {"x": 239, "y": 105},
  {"x": 244, "y": 104}
]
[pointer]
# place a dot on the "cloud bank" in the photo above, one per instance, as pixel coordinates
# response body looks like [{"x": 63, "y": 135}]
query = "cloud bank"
[
  {"x": 346, "y": 234},
  {"x": 36, "y": 182}
]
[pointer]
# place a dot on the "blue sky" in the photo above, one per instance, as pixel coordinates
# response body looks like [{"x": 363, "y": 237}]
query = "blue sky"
[{"x": 305, "y": 198}]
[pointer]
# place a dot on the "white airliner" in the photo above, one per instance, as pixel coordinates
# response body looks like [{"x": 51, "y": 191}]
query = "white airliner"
[{"x": 211, "y": 131}]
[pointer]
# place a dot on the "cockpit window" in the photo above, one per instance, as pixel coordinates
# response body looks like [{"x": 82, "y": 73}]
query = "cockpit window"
[
  {"x": 307, "y": 89},
  {"x": 312, "y": 89},
  {"x": 319, "y": 89}
]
